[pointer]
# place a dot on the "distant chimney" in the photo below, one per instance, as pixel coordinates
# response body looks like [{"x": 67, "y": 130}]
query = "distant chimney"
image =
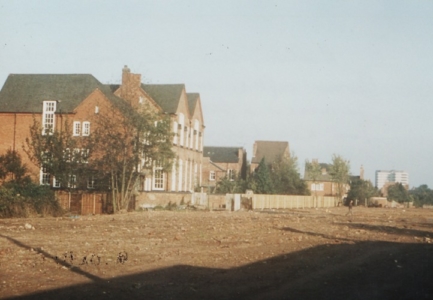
[
  {"x": 130, "y": 85},
  {"x": 129, "y": 79}
]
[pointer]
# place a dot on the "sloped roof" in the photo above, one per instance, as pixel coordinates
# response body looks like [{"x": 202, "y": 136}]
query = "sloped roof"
[
  {"x": 324, "y": 176},
  {"x": 192, "y": 101},
  {"x": 113, "y": 87},
  {"x": 270, "y": 150},
  {"x": 222, "y": 154},
  {"x": 165, "y": 95},
  {"x": 26, "y": 92}
]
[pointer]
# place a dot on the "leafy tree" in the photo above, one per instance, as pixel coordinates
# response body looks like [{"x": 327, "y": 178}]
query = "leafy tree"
[
  {"x": 59, "y": 153},
  {"x": 128, "y": 143},
  {"x": 314, "y": 171},
  {"x": 261, "y": 182},
  {"x": 19, "y": 197},
  {"x": 285, "y": 177},
  {"x": 124, "y": 144},
  {"x": 225, "y": 185},
  {"x": 361, "y": 190},
  {"x": 422, "y": 195},
  {"x": 399, "y": 193},
  {"x": 340, "y": 173},
  {"x": 12, "y": 169}
]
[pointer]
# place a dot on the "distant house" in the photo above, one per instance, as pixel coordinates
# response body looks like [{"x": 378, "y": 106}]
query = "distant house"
[
  {"x": 51, "y": 98},
  {"x": 323, "y": 185},
  {"x": 219, "y": 162},
  {"x": 270, "y": 150}
]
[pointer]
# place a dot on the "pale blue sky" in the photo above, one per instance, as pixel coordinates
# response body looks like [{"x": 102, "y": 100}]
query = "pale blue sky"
[{"x": 345, "y": 77}]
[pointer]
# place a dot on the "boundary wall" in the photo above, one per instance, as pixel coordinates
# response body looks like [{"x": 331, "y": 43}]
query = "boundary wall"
[
  {"x": 83, "y": 203},
  {"x": 152, "y": 199},
  {"x": 99, "y": 203},
  {"x": 291, "y": 201},
  {"x": 234, "y": 202}
]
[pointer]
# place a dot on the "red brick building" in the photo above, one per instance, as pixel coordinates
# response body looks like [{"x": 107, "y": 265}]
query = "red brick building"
[
  {"x": 219, "y": 162},
  {"x": 53, "y": 98},
  {"x": 323, "y": 185},
  {"x": 270, "y": 151}
]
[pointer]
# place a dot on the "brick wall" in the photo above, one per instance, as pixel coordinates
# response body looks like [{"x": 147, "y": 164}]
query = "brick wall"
[
  {"x": 14, "y": 130},
  {"x": 152, "y": 199},
  {"x": 15, "y": 127}
]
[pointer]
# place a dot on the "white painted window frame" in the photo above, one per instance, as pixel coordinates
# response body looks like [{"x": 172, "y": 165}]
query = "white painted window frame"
[
  {"x": 76, "y": 129},
  {"x": 48, "y": 117},
  {"x": 85, "y": 128},
  {"x": 159, "y": 178}
]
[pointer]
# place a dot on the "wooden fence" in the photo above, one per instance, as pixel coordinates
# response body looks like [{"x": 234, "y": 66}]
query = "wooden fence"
[
  {"x": 291, "y": 201},
  {"x": 258, "y": 201},
  {"x": 83, "y": 203}
]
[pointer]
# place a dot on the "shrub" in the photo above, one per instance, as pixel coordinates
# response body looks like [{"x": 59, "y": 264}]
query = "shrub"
[{"x": 18, "y": 200}]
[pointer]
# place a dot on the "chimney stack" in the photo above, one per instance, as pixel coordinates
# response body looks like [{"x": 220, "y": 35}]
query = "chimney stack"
[{"x": 131, "y": 83}]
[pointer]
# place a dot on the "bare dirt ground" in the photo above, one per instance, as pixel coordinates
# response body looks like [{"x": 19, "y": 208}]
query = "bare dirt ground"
[{"x": 294, "y": 254}]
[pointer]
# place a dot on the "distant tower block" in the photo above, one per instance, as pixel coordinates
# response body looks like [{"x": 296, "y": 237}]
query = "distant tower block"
[{"x": 361, "y": 173}]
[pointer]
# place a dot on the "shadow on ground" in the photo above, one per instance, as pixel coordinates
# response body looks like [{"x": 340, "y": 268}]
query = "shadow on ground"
[
  {"x": 360, "y": 270},
  {"x": 388, "y": 229}
]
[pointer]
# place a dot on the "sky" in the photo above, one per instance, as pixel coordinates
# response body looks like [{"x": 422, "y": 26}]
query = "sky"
[{"x": 348, "y": 78}]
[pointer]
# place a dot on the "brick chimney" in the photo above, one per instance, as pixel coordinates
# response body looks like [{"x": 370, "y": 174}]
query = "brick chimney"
[
  {"x": 125, "y": 71},
  {"x": 129, "y": 79},
  {"x": 130, "y": 85}
]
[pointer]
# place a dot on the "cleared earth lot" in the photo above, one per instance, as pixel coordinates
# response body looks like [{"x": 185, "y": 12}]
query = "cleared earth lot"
[{"x": 292, "y": 254}]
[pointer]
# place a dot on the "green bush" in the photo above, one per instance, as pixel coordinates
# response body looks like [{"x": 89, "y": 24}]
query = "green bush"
[{"x": 24, "y": 200}]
